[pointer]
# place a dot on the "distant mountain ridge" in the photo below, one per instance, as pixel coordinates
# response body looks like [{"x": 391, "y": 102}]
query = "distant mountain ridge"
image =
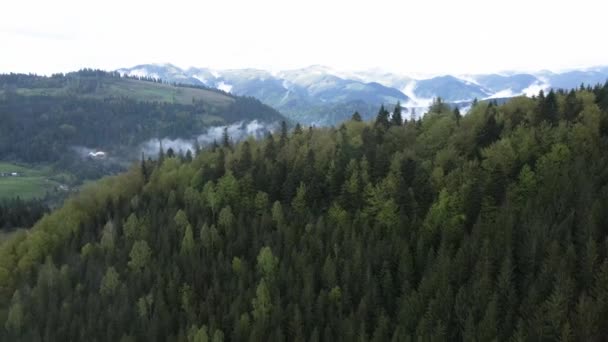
[
  {"x": 301, "y": 94},
  {"x": 323, "y": 96}
]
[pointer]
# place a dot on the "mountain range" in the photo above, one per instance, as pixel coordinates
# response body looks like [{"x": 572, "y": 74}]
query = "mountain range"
[{"x": 323, "y": 96}]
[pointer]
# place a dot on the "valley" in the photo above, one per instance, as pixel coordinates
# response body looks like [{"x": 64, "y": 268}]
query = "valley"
[{"x": 27, "y": 182}]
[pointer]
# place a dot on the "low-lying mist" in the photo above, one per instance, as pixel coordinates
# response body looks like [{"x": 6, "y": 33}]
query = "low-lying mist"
[{"x": 237, "y": 132}]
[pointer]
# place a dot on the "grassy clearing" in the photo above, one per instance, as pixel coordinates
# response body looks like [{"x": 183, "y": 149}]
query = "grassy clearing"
[
  {"x": 142, "y": 91},
  {"x": 150, "y": 91},
  {"x": 31, "y": 182}
]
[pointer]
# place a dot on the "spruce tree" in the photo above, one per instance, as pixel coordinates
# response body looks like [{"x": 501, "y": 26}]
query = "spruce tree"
[
  {"x": 225, "y": 138},
  {"x": 457, "y": 115},
  {"x": 397, "y": 119},
  {"x": 382, "y": 119},
  {"x": 284, "y": 134}
]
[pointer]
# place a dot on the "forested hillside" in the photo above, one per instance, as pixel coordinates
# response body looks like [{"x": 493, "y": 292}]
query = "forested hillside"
[
  {"x": 49, "y": 125},
  {"x": 489, "y": 226},
  {"x": 42, "y": 117}
]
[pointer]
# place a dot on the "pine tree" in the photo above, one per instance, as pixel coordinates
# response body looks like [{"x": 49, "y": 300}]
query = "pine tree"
[
  {"x": 225, "y": 138},
  {"x": 144, "y": 168},
  {"x": 298, "y": 129},
  {"x": 269, "y": 148},
  {"x": 397, "y": 119},
  {"x": 572, "y": 106},
  {"x": 382, "y": 119},
  {"x": 187, "y": 241},
  {"x": 457, "y": 115},
  {"x": 262, "y": 304},
  {"x": 548, "y": 109},
  {"x": 170, "y": 153},
  {"x": 284, "y": 134}
]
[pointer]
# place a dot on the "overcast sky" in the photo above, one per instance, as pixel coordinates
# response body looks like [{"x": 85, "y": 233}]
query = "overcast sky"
[{"x": 424, "y": 36}]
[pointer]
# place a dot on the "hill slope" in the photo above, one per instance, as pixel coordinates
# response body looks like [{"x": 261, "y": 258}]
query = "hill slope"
[
  {"x": 53, "y": 119},
  {"x": 95, "y": 84},
  {"x": 449, "y": 88},
  {"x": 484, "y": 227}
]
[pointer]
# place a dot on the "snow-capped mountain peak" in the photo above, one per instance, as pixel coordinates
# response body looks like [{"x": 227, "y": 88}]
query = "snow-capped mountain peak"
[{"x": 316, "y": 92}]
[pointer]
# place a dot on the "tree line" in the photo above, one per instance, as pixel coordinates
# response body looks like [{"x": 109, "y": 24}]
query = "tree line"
[{"x": 19, "y": 213}]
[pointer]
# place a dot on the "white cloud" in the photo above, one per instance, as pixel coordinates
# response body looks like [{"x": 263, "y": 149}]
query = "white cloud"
[
  {"x": 224, "y": 86},
  {"x": 237, "y": 132},
  {"x": 536, "y": 87},
  {"x": 414, "y": 100},
  {"x": 142, "y": 72},
  {"x": 502, "y": 94},
  {"x": 416, "y": 106},
  {"x": 470, "y": 79},
  {"x": 200, "y": 78}
]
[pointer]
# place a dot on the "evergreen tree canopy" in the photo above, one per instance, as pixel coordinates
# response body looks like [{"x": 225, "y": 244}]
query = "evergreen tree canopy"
[{"x": 486, "y": 227}]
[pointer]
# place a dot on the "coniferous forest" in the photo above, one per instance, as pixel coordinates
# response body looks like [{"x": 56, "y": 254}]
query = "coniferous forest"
[{"x": 482, "y": 227}]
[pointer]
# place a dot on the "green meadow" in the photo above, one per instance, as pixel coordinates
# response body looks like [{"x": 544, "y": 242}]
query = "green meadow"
[{"x": 31, "y": 182}]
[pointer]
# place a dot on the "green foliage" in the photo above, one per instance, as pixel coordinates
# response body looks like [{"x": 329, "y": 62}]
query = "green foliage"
[
  {"x": 261, "y": 202},
  {"x": 16, "y": 213},
  {"x": 397, "y": 118},
  {"x": 133, "y": 228},
  {"x": 198, "y": 334},
  {"x": 181, "y": 220},
  {"x": 277, "y": 213},
  {"x": 299, "y": 204},
  {"x": 15, "y": 320},
  {"x": 109, "y": 282},
  {"x": 267, "y": 262},
  {"x": 226, "y": 217},
  {"x": 140, "y": 255},
  {"x": 262, "y": 304},
  {"x": 108, "y": 237},
  {"x": 188, "y": 241},
  {"x": 487, "y": 226}
]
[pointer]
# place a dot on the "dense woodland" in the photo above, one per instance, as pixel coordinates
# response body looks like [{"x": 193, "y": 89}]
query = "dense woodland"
[
  {"x": 489, "y": 226},
  {"x": 18, "y": 213}
]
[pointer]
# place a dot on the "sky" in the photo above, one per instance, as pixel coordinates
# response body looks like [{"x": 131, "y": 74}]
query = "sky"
[{"x": 422, "y": 36}]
